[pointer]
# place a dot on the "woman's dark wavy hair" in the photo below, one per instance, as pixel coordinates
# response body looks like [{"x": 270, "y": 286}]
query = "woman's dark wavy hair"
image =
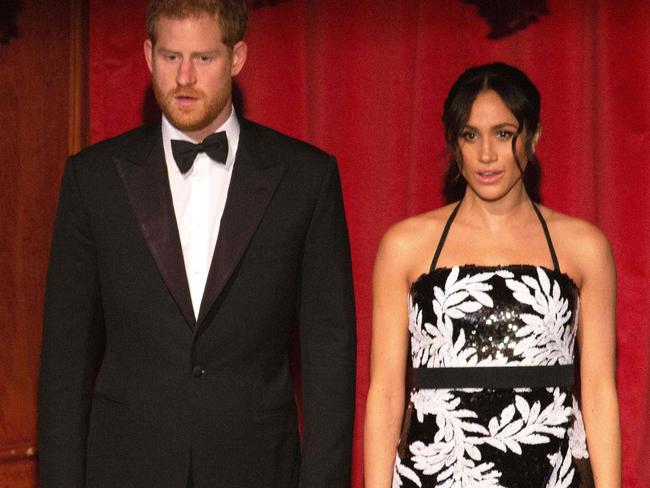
[{"x": 522, "y": 99}]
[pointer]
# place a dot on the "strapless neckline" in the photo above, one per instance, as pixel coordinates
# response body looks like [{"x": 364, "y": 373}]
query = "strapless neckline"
[{"x": 496, "y": 267}]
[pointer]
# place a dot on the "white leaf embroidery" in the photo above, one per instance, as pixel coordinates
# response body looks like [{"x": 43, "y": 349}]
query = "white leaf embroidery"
[{"x": 544, "y": 335}]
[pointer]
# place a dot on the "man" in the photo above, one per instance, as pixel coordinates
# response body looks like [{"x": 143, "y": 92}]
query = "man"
[{"x": 176, "y": 275}]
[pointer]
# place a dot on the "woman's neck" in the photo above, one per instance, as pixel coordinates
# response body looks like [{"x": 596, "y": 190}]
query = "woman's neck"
[{"x": 513, "y": 208}]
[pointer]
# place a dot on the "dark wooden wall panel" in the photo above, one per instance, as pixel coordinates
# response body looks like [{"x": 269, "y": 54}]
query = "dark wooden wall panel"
[{"x": 42, "y": 94}]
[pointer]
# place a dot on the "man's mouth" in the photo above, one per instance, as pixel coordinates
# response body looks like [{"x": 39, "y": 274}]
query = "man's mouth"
[{"x": 185, "y": 99}]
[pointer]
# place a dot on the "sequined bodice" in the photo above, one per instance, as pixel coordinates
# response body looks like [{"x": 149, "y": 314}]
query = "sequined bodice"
[{"x": 493, "y": 315}]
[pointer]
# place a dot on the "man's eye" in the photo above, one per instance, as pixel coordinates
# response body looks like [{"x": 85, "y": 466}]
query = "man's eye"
[
  {"x": 205, "y": 59},
  {"x": 171, "y": 57}
]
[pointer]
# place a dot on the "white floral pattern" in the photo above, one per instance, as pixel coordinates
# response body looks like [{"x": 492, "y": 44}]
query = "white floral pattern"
[
  {"x": 459, "y": 454},
  {"x": 563, "y": 471},
  {"x": 408, "y": 473},
  {"x": 577, "y": 435},
  {"x": 547, "y": 337}
]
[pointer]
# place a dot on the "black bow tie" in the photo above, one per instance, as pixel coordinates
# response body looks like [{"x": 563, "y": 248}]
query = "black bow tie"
[{"x": 215, "y": 146}]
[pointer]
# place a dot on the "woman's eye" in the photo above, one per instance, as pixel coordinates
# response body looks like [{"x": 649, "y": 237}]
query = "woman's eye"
[
  {"x": 468, "y": 136},
  {"x": 505, "y": 134}
]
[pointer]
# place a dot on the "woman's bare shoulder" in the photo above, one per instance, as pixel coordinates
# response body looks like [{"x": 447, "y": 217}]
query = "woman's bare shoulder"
[
  {"x": 412, "y": 230},
  {"x": 409, "y": 239},
  {"x": 578, "y": 241}
]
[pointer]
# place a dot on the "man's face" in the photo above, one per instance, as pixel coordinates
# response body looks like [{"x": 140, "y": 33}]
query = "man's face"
[{"x": 192, "y": 72}]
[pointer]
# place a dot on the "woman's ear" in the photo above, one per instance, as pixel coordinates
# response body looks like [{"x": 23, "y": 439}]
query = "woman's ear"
[{"x": 536, "y": 137}]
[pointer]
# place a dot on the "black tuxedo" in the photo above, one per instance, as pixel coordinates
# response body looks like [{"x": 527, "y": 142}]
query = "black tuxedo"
[{"x": 134, "y": 392}]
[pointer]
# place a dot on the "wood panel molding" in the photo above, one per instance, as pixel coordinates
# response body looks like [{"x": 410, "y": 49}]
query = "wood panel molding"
[
  {"x": 78, "y": 116},
  {"x": 18, "y": 452},
  {"x": 44, "y": 117}
]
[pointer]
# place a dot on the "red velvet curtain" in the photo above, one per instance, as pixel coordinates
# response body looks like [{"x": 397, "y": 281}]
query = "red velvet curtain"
[{"x": 366, "y": 79}]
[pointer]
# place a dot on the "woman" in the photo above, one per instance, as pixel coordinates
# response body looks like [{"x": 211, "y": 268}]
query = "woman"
[{"x": 493, "y": 313}]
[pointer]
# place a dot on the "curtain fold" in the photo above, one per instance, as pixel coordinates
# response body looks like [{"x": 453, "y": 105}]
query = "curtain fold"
[{"x": 366, "y": 81}]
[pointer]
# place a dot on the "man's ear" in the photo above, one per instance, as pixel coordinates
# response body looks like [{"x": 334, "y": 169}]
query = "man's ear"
[
  {"x": 239, "y": 53},
  {"x": 148, "y": 54}
]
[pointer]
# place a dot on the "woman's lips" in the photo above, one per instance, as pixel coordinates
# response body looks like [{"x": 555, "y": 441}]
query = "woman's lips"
[{"x": 488, "y": 177}]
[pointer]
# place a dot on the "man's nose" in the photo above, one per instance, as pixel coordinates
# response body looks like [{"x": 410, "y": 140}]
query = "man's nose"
[{"x": 186, "y": 74}]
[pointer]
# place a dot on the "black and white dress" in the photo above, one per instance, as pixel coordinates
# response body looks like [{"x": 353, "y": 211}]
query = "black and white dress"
[{"x": 493, "y": 403}]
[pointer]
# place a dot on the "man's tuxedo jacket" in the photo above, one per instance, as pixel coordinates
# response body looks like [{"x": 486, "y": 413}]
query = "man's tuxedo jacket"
[{"x": 136, "y": 392}]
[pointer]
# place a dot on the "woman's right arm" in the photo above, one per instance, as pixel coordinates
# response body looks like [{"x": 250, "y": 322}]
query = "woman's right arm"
[{"x": 386, "y": 398}]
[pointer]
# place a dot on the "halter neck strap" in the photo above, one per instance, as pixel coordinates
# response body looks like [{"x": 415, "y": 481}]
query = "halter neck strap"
[
  {"x": 443, "y": 237},
  {"x": 547, "y": 234},
  {"x": 452, "y": 216}
]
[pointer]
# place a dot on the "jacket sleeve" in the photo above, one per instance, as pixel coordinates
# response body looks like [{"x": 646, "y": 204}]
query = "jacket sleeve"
[
  {"x": 72, "y": 342},
  {"x": 327, "y": 342}
]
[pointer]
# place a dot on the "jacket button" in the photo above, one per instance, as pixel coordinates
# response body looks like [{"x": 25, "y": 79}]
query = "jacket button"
[{"x": 198, "y": 371}]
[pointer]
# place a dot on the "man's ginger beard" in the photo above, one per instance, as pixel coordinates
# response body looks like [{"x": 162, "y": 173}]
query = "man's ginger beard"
[{"x": 191, "y": 119}]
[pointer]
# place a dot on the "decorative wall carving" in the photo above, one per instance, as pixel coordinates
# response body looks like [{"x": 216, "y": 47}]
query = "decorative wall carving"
[
  {"x": 253, "y": 4},
  {"x": 9, "y": 10},
  {"x": 506, "y": 17}
]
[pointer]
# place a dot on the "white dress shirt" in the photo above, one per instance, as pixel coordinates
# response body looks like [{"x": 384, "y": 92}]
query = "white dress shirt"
[{"x": 199, "y": 197}]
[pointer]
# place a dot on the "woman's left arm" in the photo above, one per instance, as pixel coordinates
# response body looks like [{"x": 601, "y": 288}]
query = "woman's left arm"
[{"x": 597, "y": 343}]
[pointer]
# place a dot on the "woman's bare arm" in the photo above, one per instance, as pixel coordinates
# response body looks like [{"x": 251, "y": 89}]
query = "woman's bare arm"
[
  {"x": 597, "y": 343},
  {"x": 386, "y": 396}
]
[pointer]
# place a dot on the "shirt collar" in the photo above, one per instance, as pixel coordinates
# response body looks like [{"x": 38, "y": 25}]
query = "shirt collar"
[{"x": 230, "y": 126}]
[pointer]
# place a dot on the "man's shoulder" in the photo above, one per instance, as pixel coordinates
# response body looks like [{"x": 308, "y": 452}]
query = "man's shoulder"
[
  {"x": 289, "y": 147},
  {"x": 123, "y": 145}
]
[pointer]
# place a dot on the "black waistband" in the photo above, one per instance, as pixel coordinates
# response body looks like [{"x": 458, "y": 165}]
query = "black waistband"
[{"x": 495, "y": 377}]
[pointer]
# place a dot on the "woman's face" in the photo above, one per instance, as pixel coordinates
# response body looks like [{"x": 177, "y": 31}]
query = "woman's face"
[{"x": 485, "y": 143}]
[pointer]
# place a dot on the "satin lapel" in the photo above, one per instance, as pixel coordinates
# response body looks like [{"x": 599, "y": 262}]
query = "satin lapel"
[
  {"x": 252, "y": 185},
  {"x": 147, "y": 185}
]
